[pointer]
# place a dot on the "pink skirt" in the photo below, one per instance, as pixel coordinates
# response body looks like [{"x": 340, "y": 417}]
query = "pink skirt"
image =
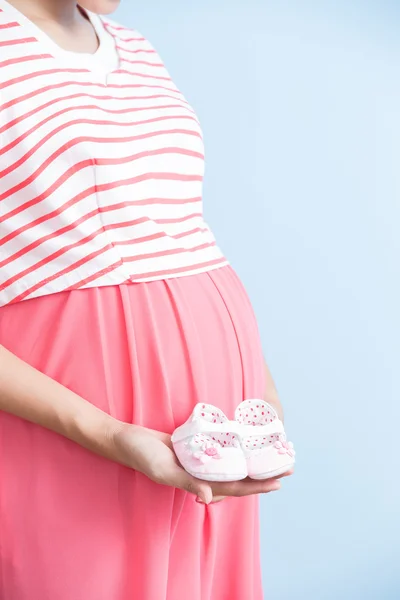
[{"x": 74, "y": 526}]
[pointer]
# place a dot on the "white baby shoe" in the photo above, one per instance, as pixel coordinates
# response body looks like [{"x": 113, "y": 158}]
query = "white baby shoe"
[
  {"x": 263, "y": 439},
  {"x": 209, "y": 446}
]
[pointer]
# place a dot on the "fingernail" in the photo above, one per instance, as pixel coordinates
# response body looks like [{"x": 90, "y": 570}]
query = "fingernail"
[
  {"x": 276, "y": 487},
  {"x": 199, "y": 500}
]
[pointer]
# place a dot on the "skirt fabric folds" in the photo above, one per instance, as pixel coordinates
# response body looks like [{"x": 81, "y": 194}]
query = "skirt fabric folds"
[{"x": 74, "y": 526}]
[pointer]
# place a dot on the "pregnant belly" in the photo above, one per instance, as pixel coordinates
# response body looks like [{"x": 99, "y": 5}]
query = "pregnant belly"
[{"x": 147, "y": 352}]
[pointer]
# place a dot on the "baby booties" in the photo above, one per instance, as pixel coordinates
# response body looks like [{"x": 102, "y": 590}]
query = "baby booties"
[{"x": 209, "y": 446}]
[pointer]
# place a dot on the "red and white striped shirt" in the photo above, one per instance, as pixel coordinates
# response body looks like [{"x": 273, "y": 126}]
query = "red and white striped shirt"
[{"x": 100, "y": 173}]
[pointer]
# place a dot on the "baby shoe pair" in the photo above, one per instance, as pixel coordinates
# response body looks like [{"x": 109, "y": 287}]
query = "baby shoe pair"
[{"x": 209, "y": 446}]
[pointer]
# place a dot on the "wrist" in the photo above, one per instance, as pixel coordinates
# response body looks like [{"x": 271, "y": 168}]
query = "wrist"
[{"x": 96, "y": 430}]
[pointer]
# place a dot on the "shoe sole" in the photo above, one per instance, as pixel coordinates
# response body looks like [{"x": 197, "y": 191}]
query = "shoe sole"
[
  {"x": 217, "y": 476},
  {"x": 272, "y": 474},
  {"x": 223, "y": 477}
]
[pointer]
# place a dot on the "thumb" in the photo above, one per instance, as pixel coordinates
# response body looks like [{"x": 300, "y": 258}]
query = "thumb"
[{"x": 201, "y": 489}]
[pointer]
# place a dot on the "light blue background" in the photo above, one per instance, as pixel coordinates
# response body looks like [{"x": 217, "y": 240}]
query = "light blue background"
[{"x": 300, "y": 106}]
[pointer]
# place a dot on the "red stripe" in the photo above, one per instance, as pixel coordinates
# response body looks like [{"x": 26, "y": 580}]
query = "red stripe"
[
  {"x": 23, "y": 59},
  {"x": 66, "y": 249},
  {"x": 68, "y": 269},
  {"x": 134, "y": 74},
  {"x": 51, "y": 215},
  {"x": 80, "y": 95},
  {"x": 163, "y": 253},
  {"x": 22, "y": 207},
  {"x": 171, "y": 201},
  {"x": 100, "y": 210},
  {"x": 35, "y": 175},
  {"x": 12, "y": 103},
  {"x": 178, "y": 270},
  {"x": 128, "y": 40},
  {"x": 140, "y": 240},
  {"x": 114, "y": 26},
  {"x": 22, "y": 78},
  {"x": 104, "y": 187},
  {"x": 157, "y": 236},
  {"x": 50, "y": 258},
  {"x": 41, "y": 90},
  {"x": 107, "y": 24},
  {"x": 141, "y": 62},
  {"x": 76, "y": 141},
  {"x": 92, "y": 190},
  {"x": 150, "y": 51},
  {"x": 87, "y": 163},
  {"x": 146, "y": 153},
  {"x": 94, "y": 276},
  {"x": 97, "y": 253},
  {"x": 183, "y": 234},
  {"x": 9, "y": 25},
  {"x": 15, "y": 42},
  {"x": 80, "y": 108},
  {"x": 91, "y": 278},
  {"x": 180, "y": 219},
  {"x": 60, "y": 232}
]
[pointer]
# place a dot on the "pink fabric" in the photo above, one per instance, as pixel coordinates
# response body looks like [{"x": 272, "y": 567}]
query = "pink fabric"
[{"x": 75, "y": 526}]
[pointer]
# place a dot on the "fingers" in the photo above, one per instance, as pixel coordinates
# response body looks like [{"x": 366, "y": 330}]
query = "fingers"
[
  {"x": 208, "y": 492},
  {"x": 250, "y": 487},
  {"x": 287, "y": 474},
  {"x": 184, "y": 481},
  {"x": 246, "y": 487}
]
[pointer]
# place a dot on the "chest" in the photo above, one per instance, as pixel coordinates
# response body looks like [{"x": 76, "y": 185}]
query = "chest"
[{"x": 60, "y": 124}]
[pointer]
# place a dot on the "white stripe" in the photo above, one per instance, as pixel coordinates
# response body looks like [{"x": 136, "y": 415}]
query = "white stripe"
[{"x": 142, "y": 174}]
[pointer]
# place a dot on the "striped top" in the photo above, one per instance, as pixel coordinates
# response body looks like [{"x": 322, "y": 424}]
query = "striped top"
[{"x": 101, "y": 171}]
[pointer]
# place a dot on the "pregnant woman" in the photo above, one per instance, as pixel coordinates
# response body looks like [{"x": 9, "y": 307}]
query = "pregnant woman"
[{"x": 118, "y": 313}]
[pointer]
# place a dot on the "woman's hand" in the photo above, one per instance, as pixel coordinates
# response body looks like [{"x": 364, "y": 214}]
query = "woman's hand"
[
  {"x": 31, "y": 395},
  {"x": 151, "y": 453}
]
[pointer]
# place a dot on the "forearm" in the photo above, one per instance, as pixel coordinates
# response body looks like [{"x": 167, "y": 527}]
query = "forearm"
[
  {"x": 271, "y": 394},
  {"x": 31, "y": 395}
]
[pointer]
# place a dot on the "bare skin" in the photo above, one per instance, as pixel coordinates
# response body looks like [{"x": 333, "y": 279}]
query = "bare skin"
[
  {"x": 64, "y": 22},
  {"x": 31, "y": 395}
]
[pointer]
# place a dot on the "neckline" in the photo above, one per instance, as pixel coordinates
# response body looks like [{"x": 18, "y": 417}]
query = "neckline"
[{"x": 94, "y": 62}]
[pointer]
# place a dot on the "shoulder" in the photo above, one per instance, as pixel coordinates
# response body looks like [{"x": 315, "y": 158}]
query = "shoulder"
[
  {"x": 135, "y": 49},
  {"x": 117, "y": 29},
  {"x": 126, "y": 36}
]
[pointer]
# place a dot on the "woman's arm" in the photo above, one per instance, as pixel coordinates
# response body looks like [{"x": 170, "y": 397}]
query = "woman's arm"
[
  {"x": 31, "y": 395},
  {"x": 271, "y": 393}
]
